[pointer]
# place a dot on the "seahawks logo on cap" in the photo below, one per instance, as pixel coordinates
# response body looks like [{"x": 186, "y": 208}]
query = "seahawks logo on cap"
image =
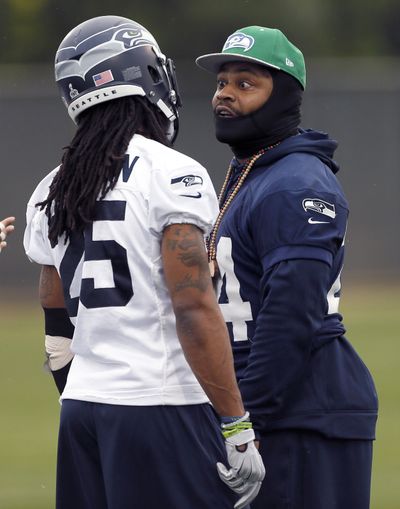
[
  {"x": 239, "y": 40},
  {"x": 320, "y": 206}
]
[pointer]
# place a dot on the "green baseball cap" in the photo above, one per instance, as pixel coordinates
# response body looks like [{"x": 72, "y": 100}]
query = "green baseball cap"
[{"x": 260, "y": 45}]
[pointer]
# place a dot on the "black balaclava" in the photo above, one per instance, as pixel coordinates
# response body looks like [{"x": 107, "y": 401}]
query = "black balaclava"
[{"x": 277, "y": 119}]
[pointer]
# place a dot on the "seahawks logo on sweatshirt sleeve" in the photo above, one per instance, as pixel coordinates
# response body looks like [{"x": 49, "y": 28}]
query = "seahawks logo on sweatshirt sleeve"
[{"x": 321, "y": 207}]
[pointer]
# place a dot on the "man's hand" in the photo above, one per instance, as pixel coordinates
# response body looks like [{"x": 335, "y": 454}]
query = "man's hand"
[
  {"x": 6, "y": 227},
  {"x": 246, "y": 470}
]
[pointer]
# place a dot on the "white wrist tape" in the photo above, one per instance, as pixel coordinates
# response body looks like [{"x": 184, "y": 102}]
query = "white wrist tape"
[{"x": 58, "y": 351}]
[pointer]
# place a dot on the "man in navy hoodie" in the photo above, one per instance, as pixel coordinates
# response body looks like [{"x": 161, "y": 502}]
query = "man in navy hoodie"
[{"x": 277, "y": 250}]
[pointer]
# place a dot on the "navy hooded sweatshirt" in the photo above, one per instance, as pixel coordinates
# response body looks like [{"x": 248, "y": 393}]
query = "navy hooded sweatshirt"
[{"x": 280, "y": 249}]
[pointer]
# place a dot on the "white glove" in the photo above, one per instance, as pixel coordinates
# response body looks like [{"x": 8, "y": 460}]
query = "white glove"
[{"x": 246, "y": 468}]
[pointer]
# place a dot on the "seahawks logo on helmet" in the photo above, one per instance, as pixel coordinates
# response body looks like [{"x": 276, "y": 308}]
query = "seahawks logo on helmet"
[
  {"x": 128, "y": 33},
  {"x": 78, "y": 60},
  {"x": 239, "y": 40},
  {"x": 320, "y": 206},
  {"x": 134, "y": 37}
]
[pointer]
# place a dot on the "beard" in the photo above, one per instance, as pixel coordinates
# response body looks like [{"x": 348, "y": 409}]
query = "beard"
[{"x": 277, "y": 119}]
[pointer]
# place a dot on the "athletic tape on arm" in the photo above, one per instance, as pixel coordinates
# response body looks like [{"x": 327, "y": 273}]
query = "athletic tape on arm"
[{"x": 59, "y": 332}]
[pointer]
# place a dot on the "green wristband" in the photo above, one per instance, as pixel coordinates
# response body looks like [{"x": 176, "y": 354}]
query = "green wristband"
[{"x": 235, "y": 428}]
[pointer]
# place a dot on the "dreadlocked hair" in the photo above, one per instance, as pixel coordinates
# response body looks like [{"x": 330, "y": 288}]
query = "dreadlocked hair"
[{"x": 92, "y": 162}]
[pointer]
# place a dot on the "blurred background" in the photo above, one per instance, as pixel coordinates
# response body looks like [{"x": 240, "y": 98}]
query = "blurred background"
[{"x": 352, "y": 52}]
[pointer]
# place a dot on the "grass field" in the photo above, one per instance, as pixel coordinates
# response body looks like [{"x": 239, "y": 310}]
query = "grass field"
[{"x": 30, "y": 408}]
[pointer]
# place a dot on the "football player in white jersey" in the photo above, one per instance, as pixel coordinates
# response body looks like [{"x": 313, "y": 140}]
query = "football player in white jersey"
[
  {"x": 6, "y": 227},
  {"x": 134, "y": 337}
]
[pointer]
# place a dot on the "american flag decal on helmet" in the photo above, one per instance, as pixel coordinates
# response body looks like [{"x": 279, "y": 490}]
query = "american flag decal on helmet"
[{"x": 103, "y": 78}]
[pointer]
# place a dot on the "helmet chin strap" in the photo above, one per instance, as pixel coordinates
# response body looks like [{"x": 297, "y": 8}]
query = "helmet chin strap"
[
  {"x": 277, "y": 119},
  {"x": 172, "y": 131},
  {"x": 173, "y": 124},
  {"x": 166, "y": 110},
  {"x": 171, "y": 112}
]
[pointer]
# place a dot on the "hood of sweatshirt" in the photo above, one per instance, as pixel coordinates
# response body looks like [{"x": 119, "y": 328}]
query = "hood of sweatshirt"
[{"x": 307, "y": 141}]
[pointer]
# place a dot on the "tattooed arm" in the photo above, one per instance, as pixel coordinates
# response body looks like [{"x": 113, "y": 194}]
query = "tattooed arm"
[
  {"x": 50, "y": 288},
  {"x": 58, "y": 327},
  {"x": 200, "y": 326}
]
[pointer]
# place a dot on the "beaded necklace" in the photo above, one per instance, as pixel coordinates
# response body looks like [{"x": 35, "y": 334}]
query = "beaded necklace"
[{"x": 224, "y": 204}]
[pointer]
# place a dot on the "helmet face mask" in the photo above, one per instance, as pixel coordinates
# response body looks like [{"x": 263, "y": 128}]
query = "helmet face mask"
[{"x": 109, "y": 57}]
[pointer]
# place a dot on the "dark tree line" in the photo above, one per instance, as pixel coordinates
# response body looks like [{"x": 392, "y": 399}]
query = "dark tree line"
[{"x": 31, "y": 30}]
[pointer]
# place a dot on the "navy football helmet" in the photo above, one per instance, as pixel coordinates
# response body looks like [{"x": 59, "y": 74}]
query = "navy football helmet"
[{"x": 109, "y": 57}]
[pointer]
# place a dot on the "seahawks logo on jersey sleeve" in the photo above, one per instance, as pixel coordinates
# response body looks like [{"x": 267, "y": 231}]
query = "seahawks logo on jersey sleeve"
[
  {"x": 181, "y": 184},
  {"x": 188, "y": 180}
]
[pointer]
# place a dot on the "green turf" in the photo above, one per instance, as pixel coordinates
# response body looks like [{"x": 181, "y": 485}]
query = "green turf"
[
  {"x": 30, "y": 408},
  {"x": 372, "y": 317},
  {"x": 29, "y": 417}
]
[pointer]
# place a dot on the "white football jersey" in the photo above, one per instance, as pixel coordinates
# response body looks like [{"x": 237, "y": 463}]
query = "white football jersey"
[{"x": 125, "y": 342}]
